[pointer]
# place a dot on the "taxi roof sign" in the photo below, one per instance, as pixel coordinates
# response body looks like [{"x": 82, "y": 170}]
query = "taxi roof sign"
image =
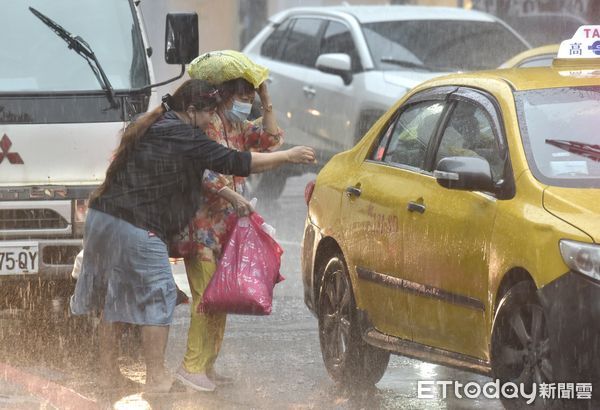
[{"x": 585, "y": 44}]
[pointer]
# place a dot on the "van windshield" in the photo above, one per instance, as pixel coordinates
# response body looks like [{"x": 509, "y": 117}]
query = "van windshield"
[
  {"x": 560, "y": 128},
  {"x": 35, "y": 59}
]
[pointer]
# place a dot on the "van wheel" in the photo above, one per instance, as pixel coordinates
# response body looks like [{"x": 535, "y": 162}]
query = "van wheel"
[
  {"x": 520, "y": 350},
  {"x": 348, "y": 359}
]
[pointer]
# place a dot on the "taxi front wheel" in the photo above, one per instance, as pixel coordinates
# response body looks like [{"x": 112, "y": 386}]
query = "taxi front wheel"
[
  {"x": 348, "y": 359},
  {"x": 520, "y": 348}
]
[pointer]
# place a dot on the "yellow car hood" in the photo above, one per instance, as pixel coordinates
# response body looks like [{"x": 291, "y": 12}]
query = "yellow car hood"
[{"x": 578, "y": 206}]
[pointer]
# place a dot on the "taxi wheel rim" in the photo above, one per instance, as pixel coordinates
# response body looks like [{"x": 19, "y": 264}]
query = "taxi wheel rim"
[
  {"x": 336, "y": 317},
  {"x": 528, "y": 350},
  {"x": 528, "y": 327}
]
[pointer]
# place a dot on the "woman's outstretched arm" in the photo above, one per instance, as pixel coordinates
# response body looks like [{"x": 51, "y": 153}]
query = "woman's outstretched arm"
[{"x": 264, "y": 161}]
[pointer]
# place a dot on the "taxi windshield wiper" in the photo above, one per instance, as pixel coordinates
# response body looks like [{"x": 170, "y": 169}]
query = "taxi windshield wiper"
[
  {"x": 591, "y": 151},
  {"x": 404, "y": 63},
  {"x": 78, "y": 44}
]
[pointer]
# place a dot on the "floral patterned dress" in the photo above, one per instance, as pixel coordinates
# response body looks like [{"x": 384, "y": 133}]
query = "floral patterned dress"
[{"x": 209, "y": 225}]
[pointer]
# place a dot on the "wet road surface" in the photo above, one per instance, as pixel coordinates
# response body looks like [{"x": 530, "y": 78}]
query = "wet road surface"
[{"x": 275, "y": 360}]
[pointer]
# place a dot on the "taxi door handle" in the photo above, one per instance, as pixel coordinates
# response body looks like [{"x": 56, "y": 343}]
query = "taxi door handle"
[
  {"x": 416, "y": 207},
  {"x": 353, "y": 191}
]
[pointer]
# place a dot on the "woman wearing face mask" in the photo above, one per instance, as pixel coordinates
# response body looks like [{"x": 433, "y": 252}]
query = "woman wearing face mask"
[
  {"x": 151, "y": 191},
  {"x": 223, "y": 196}
]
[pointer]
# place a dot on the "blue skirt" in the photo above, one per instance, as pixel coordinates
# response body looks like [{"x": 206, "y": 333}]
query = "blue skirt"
[{"x": 125, "y": 274}]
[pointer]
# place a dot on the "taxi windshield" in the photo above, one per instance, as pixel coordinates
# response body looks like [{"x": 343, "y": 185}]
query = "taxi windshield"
[{"x": 560, "y": 128}]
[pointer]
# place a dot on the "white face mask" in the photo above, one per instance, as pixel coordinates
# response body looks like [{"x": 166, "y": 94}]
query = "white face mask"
[{"x": 239, "y": 111}]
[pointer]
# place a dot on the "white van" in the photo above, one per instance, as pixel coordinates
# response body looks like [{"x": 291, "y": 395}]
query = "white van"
[{"x": 72, "y": 73}]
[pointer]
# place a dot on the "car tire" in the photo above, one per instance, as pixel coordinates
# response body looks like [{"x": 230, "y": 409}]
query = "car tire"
[
  {"x": 267, "y": 185},
  {"x": 349, "y": 360},
  {"x": 520, "y": 349}
]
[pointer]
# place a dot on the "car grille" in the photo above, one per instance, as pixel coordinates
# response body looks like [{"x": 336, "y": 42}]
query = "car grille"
[{"x": 17, "y": 219}]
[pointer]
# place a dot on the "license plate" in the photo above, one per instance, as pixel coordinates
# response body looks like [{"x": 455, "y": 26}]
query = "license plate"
[{"x": 18, "y": 258}]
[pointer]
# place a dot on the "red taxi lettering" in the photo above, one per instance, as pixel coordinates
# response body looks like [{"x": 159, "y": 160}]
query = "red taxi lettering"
[
  {"x": 591, "y": 33},
  {"x": 383, "y": 224}
]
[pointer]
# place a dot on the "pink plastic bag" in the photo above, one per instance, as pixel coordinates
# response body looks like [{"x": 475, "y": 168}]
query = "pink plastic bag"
[{"x": 247, "y": 271}]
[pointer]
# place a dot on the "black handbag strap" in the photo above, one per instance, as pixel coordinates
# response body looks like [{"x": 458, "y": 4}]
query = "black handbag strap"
[{"x": 227, "y": 142}]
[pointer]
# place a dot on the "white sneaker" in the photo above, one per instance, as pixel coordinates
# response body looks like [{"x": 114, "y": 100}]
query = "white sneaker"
[
  {"x": 219, "y": 379},
  {"x": 196, "y": 381}
]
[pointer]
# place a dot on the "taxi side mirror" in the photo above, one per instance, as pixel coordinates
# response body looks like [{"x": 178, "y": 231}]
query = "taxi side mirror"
[{"x": 465, "y": 173}]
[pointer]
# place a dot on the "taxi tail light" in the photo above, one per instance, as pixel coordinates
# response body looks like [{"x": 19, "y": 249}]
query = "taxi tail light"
[
  {"x": 80, "y": 207},
  {"x": 308, "y": 191}
]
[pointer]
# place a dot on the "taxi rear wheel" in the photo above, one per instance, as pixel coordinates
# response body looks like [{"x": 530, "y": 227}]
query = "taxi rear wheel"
[
  {"x": 348, "y": 359},
  {"x": 520, "y": 348}
]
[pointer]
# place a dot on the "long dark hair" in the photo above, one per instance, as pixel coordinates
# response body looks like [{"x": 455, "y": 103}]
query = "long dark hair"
[{"x": 193, "y": 92}]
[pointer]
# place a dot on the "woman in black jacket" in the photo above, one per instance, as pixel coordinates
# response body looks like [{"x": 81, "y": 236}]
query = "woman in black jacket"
[{"x": 151, "y": 191}]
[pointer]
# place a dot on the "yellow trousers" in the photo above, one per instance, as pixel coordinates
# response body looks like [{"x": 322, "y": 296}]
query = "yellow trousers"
[{"x": 206, "y": 330}]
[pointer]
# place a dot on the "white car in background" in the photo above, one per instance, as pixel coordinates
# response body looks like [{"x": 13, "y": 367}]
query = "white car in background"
[{"x": 335, "y": 70}]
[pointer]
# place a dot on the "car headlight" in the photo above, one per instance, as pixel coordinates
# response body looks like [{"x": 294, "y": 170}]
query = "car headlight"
[{"x": 581, "y": 257}]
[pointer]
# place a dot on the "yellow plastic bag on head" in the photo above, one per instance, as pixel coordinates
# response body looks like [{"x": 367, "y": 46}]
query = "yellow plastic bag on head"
[{"x": 219, "y": 66}]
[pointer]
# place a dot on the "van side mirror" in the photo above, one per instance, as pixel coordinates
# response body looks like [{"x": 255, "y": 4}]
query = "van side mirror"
[
  {"x": 465, "y": 173},
  {"x": 336, "y": 63},
  {"x": 181, "y": 38}
]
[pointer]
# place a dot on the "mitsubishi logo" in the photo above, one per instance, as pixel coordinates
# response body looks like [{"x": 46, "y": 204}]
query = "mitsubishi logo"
[{"x": 13, "y": 157}]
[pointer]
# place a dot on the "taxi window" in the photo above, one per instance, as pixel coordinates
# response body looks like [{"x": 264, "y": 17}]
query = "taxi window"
[
  {"x": 405, "y": 141},
  {"x": 559, "y": 128},
  {"x": 469, "y": 133},
  {"x": 379, "y": 151}
]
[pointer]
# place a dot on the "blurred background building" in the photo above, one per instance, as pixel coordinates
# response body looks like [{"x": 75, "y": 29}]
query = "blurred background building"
[{"x": 230, "y": 24}]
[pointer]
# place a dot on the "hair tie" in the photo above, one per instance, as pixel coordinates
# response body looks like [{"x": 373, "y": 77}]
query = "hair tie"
[{"x": 167, "y": 101}]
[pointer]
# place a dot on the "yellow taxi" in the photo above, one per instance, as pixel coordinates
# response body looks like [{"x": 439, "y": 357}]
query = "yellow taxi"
[{"x": 464, "y": 228}]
